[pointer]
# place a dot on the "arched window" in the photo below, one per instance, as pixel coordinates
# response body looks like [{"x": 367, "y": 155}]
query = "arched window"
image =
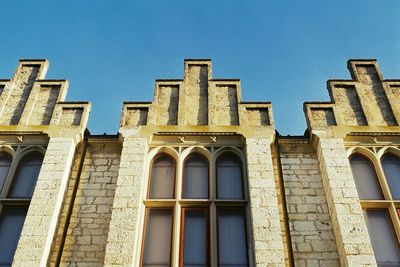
[
  {"x": 365, "y": 178},
  {"x": 391, "y": 167},
  {"x": 5, "y": 163},
  {"x": 16, "y": 194},
  {"x": 229, "y": 177},
  {"x": 25, "y": 178},
  {"x": 212, "y": 206},
  {"x": 195, "y": 178},
  {"x": 162, "y": 180}
]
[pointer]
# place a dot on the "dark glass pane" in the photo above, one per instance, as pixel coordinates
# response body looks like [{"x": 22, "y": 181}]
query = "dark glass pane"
[
  {"x": 195, "y": 238},
  {"x": 11, "y": 222},
  {"x": 391, "y": 167},
  {"x": 157, "y": 243},
  {"x": 162, "y": 178},
  {"x": 365, "y": 178},
  {"x": 195, "y": 178},
  {"x": 229, "y": 177},
  {"x": 383, "y": 237},
  {"x": 26, "y": 176},
  {"x": 232, "y": 247},
  {"x": 5, "y": 163}
]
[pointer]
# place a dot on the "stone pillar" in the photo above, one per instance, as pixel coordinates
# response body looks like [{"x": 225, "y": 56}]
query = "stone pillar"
[
  {"x": 347, "y": 218},
  {"x": 40, "y": 224},
  {"x": 123, "y": 231},
  {"x": 266, "y": 230}
]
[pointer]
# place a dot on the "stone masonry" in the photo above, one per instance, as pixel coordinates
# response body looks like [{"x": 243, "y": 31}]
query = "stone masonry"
[
  {"x": 300, "y": 203},
  {"x": 310, "y": 225},
  {"x": 90, "y": 219},
  {"x": 350, "y": 230},
  {"x": 268, "y": 244},
  {"x": 123, "y": 232}
]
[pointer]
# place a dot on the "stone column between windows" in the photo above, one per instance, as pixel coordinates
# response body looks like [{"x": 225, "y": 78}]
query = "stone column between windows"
[
  {"x": 266, "y": 230},
  {"x": 347, "y": 217},
  {"x": 40, "y": 223},
  {"x": 123, "y": 232}
]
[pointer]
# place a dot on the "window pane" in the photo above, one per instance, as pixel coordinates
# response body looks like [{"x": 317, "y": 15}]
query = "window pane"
[
  {"x": 229, "y": 177},
  {"x": 365, "y": 178},
  {"x": 195, "y": 178},
  {"x": 11, "y": 222},
  {"x": 162, "y": 178},
  {"x": 232, "y": 247},
  {"x": 195, "y": 238},
  {"x": 157, "y": 244},
  {"x": 383, "y": 237},
  {"x": 26, "y": 176},
  {"x": 391, "y": 167},
  {"x": 5, "y": 162}
]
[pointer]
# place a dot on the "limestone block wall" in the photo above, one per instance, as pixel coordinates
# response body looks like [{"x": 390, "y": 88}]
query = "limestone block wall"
[
  {"x": 366, "y": 100},
  {"x": 350, "y": 230},
  {"x": 268, "y": 243},
  {"x": 28, "y": 99},
  {"x": 196, "y": 94},
  {"x": 45, "y": 207},
  {"x": 197, "y": 100},
  {"x": 224, "y": 99},
  {"x": 44, "y": 105},
  {"x": 16, "y": 93},
  {"x": 123, "y": 232},
  {"x": 311, "y": 232},
  {"x": 91, "y": 214}
]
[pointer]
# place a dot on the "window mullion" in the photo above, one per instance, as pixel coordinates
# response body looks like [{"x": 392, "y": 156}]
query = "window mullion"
[
  {"x": 9, "y": 178},
  {"x": 213, "y": 235},
  {"x": 176, "y": 235},
  {"x": 395, "y": 220}
]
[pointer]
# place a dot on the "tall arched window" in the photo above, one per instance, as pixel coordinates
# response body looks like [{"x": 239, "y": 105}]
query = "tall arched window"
[
  {"x": 210, "y": 210},
  {"x": 14, "y": 202},
  {"x": 25, "y": 178},
  {"x": 391, "y": 167},
  {"x": 365, "y": 178},
  {"x": 195, "y": 178},
  {"x": 162, "y": 180},
  {"x": 229, "y": 177},
  {"x": 159, "y": 220},
  {"x": 5, "y": 163},
  {"x": 231, "y": 223},
  {"x": 378, "y": 210}
]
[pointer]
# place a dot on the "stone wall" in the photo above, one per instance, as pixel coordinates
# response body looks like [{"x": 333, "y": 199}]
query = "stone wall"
[
  {"x": 351, "y": 234},
  {"x": 123, "y": 236},
  {"x": 91, "y": 214},
  {"x": 15, "y": 95},
  {"x": 311, "y": 231},
  {"x": 266, "y": 228},
  {"x": 45, "y": 208}
]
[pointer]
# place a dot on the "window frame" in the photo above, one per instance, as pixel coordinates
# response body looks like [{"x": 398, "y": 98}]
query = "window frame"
[
  {"x": 181, "y": 153},
  {"x": 146, "y": 219},
  {"x": 182, "y": 233},
  {"x": 379, "y": 179},
  {"x": 182, "y": 186},
  {"x": 244, "y": 195},
  {"x": 243, "y": 210},
  {"x": 390, "y": 205},
  {"x": 17, "y": 157},
  {"x": 159, "y": 155}
]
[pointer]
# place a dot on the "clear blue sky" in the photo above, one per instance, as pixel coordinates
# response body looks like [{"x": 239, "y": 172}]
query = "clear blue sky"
[{"x": 283, "y": 51}]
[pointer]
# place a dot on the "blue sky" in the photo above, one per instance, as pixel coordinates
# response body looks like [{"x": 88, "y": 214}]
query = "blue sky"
[{"x": 283, "y": 51}]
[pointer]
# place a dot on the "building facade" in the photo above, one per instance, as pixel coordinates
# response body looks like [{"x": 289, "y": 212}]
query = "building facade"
[{"x": 199, "y": 177}]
